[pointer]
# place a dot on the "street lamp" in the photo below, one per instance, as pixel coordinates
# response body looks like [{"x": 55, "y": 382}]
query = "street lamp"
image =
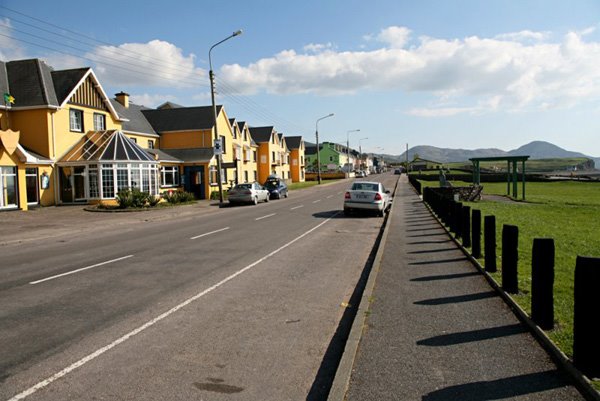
[
  {"x": 360, "y": 151},
  {"x": 348, "y": 147},
  {"x": 318, "y": 153},
  {"x": 211, "y": 75}
]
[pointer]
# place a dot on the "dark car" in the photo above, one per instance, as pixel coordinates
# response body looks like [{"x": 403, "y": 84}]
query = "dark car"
[{"x": 276, "y": 187}]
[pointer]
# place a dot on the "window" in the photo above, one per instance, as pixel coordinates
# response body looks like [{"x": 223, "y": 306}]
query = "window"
[
  {"x": 169, "y": 176},
  {"x": 254, "y": 156},
  {"x": 93, "y": 180},
  {"x": 108, "y": 181},
  {"x": 122, "y": 177},
  {"x": 212, "y": 173},
  {"x": 150, "y": 144},
  {"x": 255, "y": 176},
  {"x": 134, "y": 140},
  {"x": 245, "y": 176},
  {"x": 8, "y": 187},
  {"x": 330, "y": 158},
  {"x": 31, "y": 183},
  {"x": 76, "y": 120},
  {"x": 223, "y": 144},
  {"x": 99, "y": 122}
]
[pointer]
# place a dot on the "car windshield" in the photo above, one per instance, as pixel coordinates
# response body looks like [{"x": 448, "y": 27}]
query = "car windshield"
[
  {"x": 365, "y": 186},
  {"x": 271, "y": 184},
  {"x": 243, "y": 186}
]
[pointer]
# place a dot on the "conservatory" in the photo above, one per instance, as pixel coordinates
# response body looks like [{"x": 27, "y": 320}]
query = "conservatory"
[{"x": 101, "y": 164}]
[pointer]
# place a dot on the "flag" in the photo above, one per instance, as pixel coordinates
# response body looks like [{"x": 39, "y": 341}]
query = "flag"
[{"x": 8, "y": 98}]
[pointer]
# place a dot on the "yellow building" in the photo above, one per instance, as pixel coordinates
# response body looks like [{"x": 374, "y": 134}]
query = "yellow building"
[
  {"x": 52, "y": 111},
  {"x": 247, "y": 152},
  {"x": 297, "y": 167},
  {"x": 269, "y": 152}
]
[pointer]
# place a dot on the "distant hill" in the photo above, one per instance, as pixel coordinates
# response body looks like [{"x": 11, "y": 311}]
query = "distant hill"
[{"x": 535, "y": 149}]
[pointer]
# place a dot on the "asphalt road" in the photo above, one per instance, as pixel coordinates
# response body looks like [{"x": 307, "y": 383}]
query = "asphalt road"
[{"x": 236, "y": 303}]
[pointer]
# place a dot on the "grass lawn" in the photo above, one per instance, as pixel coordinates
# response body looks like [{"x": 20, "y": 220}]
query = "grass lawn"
[
  {"x": 307, "y": 184},
  {"x": 568, "y": 212}
]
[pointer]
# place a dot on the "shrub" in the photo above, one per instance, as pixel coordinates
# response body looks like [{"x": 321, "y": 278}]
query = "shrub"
[
  {"x": 134, "y": 198},
  {"x": 174, "y": 197}
]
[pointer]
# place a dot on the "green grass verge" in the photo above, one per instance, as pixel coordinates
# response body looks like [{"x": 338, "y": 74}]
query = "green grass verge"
[
  {"x": 565, "y": 211},
  {"x": 307, "y": 184}
]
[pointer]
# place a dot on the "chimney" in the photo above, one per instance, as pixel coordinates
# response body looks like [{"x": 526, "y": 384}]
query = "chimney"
[{"x": 123, "y": 98}]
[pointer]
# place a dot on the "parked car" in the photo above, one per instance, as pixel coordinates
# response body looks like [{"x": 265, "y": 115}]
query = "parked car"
[
  {"x": 360, "y": 174},
  {"x": 276, "y": 187},
  {"x": 248, "y": 193},
  {"x": 367, "y": 196},
  {"x": 398, "y": 171}
]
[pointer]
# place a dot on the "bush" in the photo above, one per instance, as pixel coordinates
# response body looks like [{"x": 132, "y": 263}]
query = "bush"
[
  {"x": 214, "y": 195},
  {"x": 134, "y": 198},
  {"x": 174, "y": 197}
]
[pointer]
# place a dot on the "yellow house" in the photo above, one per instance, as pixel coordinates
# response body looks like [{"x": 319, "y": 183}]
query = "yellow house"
[
  {"x": 248, "y": 153},
  {"x": 269, "y": 151},
  {"x": 283, "y": 169},
  {"x": 52, "y": 111},
  {"x": 297, "y": 166},
  {"x": 187, "y": 139}
]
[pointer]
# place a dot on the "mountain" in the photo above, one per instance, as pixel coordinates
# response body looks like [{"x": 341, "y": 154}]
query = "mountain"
[{"x": 535, "y": 149}]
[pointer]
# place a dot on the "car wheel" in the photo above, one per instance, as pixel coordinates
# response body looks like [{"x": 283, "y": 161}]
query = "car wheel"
[
  {"x": 286, "y": 194},
  {"x": 255, "y": 201},
  {"x": 266, "y": 198}
]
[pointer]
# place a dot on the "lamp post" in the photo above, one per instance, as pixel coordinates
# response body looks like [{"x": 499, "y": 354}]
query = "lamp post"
[
  {"x": 211, "y": 75},
  {"x": 360, "y": 150},
  {"x": 348, "y": 147},
  {"x": 318, "y": 153}
]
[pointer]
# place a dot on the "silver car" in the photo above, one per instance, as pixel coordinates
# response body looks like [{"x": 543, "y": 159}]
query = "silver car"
[
  {"x": 251, "y": 192},
  {"x": 367, "y": 196}
]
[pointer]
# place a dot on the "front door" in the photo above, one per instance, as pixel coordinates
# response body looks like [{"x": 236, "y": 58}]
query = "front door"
[
  {"x": 72, "y": 184},
  {"x": 194, "y": 181}
]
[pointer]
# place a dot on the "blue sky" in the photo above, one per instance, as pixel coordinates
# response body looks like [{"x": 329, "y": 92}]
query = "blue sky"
[{"x": 458, "y": 74}]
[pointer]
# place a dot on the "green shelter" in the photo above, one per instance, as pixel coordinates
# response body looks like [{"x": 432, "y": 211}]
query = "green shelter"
[{"x": 511, "y": 171}]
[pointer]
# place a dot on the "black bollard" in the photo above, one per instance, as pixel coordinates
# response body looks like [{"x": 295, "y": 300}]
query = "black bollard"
[
  {"x": 489, "y": 238},
  {"x": 510, "y": 258},
  {"x": 452, "y": 216},
  {"x": 458, "y": 219},
  {"x": 542, "y": 283},
  {"x": 466, "y": 226},
  {"x": 476, "y": 233},
  {"x": 586, "y": 331}
]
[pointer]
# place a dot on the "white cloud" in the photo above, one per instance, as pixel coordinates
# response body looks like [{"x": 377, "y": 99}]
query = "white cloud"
[
  {"x": 156, "y": 63},
  {"x": 317, "y": 47},
  {"x": 151, "y": 100},
  {"x": 395, "y": 36},
  {"x": 10, "y": 49},
  {"x": 520, "y": 71}
]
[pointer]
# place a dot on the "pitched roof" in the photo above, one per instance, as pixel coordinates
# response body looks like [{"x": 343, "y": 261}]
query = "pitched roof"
[
  {"x": 30, "y": 83},
  {"x": 181, "y": 119},
  {"x": 65, "y": 80},
  {"x": 162, "y": 156},
  {"x": 110, "y": 146},
  {"x": 194, "y": 155},
  {"x": 169, "y": 105},
  {"x": 135, "y": 121},
  {"x": 293, "y": 142},
  {"x": 3, "y": 80},
  {"x": 262, "y": 134}
]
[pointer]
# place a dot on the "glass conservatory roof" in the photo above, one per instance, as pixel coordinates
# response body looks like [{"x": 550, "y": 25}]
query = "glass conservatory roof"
[{"x": 106, "y": 146}]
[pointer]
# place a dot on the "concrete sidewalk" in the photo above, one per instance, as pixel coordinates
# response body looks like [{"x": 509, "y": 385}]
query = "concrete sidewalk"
[{"x": 436, "y": 330}]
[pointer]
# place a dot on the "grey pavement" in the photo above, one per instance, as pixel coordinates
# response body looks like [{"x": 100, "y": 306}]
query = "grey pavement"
[{"x": 435, "y": 329}]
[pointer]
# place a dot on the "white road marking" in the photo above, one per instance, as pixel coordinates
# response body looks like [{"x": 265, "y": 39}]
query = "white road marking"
[
  {"x": 157, "y": 319},
  {"x": 264, "y": 217},
  {"x": 212, "y": 232},
  {"x": 317, "y": 201},
  {"x": 297, "y": 207},
  {"x": 79, "y": 270},
  {"x": 330, "y": 196},
  {"x": 339, "y": 193}
]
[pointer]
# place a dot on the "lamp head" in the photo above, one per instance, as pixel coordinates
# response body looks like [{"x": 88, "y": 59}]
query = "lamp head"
[{"x": 237, "y": 33}]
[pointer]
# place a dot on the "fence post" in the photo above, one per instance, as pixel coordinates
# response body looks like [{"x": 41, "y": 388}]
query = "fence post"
[
  {"x": 586, "y": 331},
  {"x": 510, "y": 258},
  {"x": 542, "y": 283},
  {"x": 466, "y": 226},
  {"x": 457, "y": 219},
  {"x": 476, "y": 233},
  {"x": 489, "y": 237}
]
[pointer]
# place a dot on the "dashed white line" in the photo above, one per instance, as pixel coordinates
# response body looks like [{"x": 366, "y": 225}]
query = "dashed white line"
[
  {"x": 264, "y": 217},
  {"x": 44, "y": 383},
  {"x": 330, "y": 196},
  {"x": 297, "y": 207},
  {"x": 80, "y": 270},
  {"x": 317, "y": 201},
  {"x": 212, "y": 232}
]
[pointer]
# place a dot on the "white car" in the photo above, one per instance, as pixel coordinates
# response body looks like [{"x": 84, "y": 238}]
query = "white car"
[
  {"x": 367, "y": 196},
  {"x": 248, "y": 193}
]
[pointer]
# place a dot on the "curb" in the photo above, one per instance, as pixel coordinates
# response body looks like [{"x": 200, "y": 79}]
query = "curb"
[
  {"x": 341, "y": 382},
  {"x": 581, "y": 382}
]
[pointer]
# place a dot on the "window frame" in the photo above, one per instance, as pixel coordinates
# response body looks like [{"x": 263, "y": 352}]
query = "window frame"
[
  {"x": 73, "y": 113},
  {"x": 103, "y": 120}
]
